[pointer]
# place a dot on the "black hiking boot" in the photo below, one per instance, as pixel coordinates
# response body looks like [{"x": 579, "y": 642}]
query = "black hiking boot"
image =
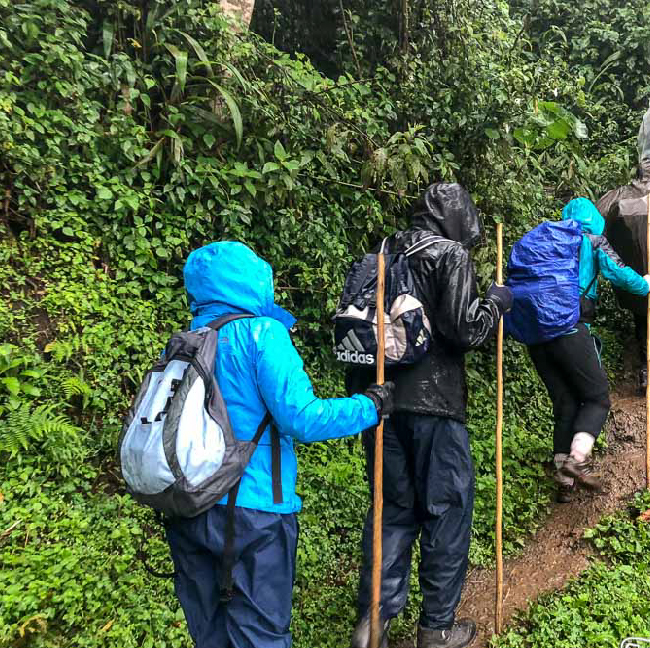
[
  {"x": 565, "y": 493},
  {"x": 461, "y": 634},
  {"x": 583, "y": 472},
  {"x": 361, "y": 636}
]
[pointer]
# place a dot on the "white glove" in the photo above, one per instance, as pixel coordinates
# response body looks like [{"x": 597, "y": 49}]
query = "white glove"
[{"x": 647, "y": 279}]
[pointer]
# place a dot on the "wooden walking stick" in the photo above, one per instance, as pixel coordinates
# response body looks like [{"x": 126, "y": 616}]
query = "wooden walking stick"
[
  {"x": 647, "y": 353},
  {"x": 378, "y": 491},
  {"x": 498, "y": 616}
]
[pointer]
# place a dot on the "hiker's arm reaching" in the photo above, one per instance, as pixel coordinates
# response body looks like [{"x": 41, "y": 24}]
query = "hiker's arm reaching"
[
  {"x": 613, "y": 269},
  {"x": 462, "y": 316},
  {"x": 289, "y": 395}
]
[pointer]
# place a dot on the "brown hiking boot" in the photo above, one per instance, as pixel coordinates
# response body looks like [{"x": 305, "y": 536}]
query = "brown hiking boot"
[
  {"x": 565, "y": 493},
  {"x": 583, "y": 472}
]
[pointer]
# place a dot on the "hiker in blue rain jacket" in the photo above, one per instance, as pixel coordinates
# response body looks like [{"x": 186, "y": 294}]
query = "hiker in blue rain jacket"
[
  {"x": 570, "y": 365},
  {"x": 258, "y": 369}
]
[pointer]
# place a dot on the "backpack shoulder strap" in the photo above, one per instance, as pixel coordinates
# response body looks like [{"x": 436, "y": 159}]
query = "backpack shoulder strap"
[
  {"x": 215, "y": 325},
  {"x": 229, "y": 536},
  {"x": 420, "y": 245},
  {"x": 276, "y": 456},
  {"x": 585, "y": 292},
  {"x": 276, "y": 465}
]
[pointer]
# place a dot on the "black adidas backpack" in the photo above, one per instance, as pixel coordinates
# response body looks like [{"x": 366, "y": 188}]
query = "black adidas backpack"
[{"x": 407, "y": 330}]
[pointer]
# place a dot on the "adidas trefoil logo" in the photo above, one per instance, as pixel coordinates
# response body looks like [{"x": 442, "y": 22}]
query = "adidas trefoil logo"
[
  {"x": 422, "y": 338},
  {"x": 351, "y": 350}
]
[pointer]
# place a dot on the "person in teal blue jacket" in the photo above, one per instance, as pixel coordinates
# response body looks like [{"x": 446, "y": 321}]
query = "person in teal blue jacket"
[
  {"x": 570, "y": 365},
  {"x": 258, "y": 370}
]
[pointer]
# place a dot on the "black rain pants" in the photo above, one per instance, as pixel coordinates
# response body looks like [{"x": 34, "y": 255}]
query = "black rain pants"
[
  {"x": 570, "y": 368},
  {"x": 428, "y": 492}
]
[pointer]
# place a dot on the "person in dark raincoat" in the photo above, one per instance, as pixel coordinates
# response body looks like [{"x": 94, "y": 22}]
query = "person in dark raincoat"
[
  {"x": 570, "y": 365},
  {"x": 428, "y": 473},
  {"x": 625, "y": 212},
  {"x": 258, "y": 370}
]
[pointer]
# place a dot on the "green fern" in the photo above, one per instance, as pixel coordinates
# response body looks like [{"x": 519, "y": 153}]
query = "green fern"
[
  {"x": 25, "y": 428},
  {"x": 76, "y": 386}
]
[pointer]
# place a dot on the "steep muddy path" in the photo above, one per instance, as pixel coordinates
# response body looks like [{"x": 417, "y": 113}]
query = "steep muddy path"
[{"x": 557, "y": 552}]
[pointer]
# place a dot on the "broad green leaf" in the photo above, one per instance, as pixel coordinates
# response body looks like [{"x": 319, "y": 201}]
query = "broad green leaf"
[
  {"x": 12, "y": 385},
  {"x": 279, "y": 151},
  {"x": 234, "y": 113},
  {"x": 200, "y": 52},
  {"x": 30, "y": 390},
  {"x": 180, "y": 56},
  {"x": 32, "y": 373},
  {"x": 270, "y": 166},
  {"x": 108, "y": 34},
  {"x": 130, "y": 73},
  {"x": 559, "y": 129},
  {"x": 235, "y": 72},
  {"x": 580, "y": 129},
  {"x": 104, "y": 193}
]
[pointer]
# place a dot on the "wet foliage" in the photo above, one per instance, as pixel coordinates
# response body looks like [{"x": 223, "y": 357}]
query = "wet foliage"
[{"x": 132, "y": 132}]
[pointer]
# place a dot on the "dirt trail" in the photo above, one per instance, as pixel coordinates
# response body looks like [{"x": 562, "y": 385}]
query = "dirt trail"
[{"x": 557, "y": 552}]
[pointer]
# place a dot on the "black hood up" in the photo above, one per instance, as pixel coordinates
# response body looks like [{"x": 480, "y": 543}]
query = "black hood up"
[{"x": 448, "y": 210}]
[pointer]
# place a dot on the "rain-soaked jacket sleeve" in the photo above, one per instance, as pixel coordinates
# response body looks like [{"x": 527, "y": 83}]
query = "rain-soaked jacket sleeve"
[
  {"x": 289, "y": 395},
  {"x": 465, "y": 320},
  {"x": 612, "y": 268},
  {"x": 605, "y": 203}
]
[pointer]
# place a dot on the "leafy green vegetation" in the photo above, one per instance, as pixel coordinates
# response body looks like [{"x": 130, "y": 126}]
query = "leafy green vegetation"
[
  {"x": 130, "y": 133},
  {"x": 609, "y": 602}
]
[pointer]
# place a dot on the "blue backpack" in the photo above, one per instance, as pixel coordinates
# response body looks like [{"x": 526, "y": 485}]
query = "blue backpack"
[{"x": 543, "y": 276}]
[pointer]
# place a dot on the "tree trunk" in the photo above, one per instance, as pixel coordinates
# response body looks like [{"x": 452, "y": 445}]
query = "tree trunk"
[{"x": 241, "y": 10}]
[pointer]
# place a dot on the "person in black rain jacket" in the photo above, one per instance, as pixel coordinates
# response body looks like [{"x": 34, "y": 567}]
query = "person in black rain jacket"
[{"x": 428, "y": 473}]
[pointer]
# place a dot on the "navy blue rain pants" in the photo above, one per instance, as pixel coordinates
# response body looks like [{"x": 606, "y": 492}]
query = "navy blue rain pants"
[
  {"x": 428, "y": 492},
  {"x": 259, "y": 614}
]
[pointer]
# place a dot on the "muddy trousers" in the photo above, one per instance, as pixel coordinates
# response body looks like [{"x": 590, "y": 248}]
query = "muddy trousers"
[
  {"x": 428, "y": 493},
  {"x": 259, "y": 613},
  {"x": 570, "y": 368}
]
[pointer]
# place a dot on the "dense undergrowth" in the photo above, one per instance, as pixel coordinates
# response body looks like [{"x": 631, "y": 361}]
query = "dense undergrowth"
[
  {"x": 131, "y": 133},
  {"x": 608, "y": 603}
]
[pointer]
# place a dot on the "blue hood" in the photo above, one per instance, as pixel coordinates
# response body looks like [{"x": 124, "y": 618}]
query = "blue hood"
[
  {"x": 229, "y": 277},
  {"x": 585, "y": 212}
]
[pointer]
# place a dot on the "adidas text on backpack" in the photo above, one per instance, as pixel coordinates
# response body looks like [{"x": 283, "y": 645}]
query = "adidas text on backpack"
[
  {"x": 407, "y": 328},
  {"x": 177, "y": 451}
]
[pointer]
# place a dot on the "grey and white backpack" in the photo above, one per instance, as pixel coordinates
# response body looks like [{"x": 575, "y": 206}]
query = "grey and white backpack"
[{"x": 177, "y": 451}]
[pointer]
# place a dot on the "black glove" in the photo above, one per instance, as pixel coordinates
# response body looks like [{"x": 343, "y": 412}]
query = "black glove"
[
  {"x": 383, "y": 396},
  {"x": 501, "y": 296}
]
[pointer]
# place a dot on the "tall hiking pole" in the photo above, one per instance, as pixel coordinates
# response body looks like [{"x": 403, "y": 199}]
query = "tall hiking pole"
[
  {"x": 498, "y": 614},
  {"x": 647, "y": 353},
  {"x": 378, "y": 490}
]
